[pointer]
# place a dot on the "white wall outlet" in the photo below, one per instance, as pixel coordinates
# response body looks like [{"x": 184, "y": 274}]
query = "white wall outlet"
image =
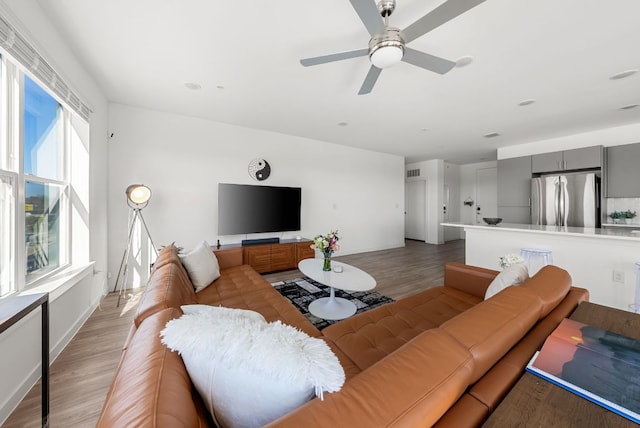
[{"x": 618, "y": 276}]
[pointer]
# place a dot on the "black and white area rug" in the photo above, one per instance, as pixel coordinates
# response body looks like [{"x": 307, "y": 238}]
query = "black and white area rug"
[{"x": 302, "y": 291}]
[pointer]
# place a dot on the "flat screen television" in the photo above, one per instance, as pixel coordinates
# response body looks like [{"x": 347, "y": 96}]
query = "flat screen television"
[{"x": 244, "y": 208}]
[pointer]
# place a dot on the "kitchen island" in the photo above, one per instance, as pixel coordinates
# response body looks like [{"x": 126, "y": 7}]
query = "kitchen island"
[{"x": 601, "y": 260}]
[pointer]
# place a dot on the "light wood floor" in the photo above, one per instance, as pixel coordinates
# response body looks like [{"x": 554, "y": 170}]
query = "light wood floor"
[{"x": 82, "y": 374}]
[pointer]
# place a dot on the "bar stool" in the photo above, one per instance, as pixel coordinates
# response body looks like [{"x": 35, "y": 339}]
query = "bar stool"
[{"x": 536, "y": 258}]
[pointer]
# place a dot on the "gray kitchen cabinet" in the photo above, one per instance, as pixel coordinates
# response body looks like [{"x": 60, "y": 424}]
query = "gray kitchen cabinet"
[
  {"x": 622, "y": 171},
  {"x": 514, "y": 181},
  {"x": 514, "y": 190},
  {"x": 584, "y": 158},
  {"x": 567, "y": 160},
  {"x": 546, "y": 162}
]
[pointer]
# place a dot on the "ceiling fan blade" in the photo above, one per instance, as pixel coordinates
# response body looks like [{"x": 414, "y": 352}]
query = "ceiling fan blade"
[
  {"x": 333, "y": 57},
  {"x": 438, "y": 16},
  {"x": 426, "y": 61},
  {"x": 369, "y": 15},
  {"x": 370, "y": 80}
]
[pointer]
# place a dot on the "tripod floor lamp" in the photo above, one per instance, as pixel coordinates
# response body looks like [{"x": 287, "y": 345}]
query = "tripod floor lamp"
[{"x": 138, "y": 196}]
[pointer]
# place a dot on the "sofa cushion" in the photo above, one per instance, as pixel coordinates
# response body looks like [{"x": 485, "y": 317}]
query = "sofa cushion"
[
  {"x": 201, "y": 265},
  {"x": 551, "y": 284},
  {"x": 491, "y": 328},
  {"x": 168, "y": 287},
  {"x": 243, "y": 288},
  {"x": 151, "y": 387},
  {"x": 248, "y": 372},
  {"x": 370, "y": 336},
  {"x": 168, "y": 254},
  {"x": 413, "y": 387}
]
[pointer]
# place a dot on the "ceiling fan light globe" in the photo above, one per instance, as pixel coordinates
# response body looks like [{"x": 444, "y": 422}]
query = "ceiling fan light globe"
[{"x": 386, "y": 56}]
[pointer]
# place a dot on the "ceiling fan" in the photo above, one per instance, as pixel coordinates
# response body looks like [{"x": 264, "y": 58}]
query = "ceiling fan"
[{"x": 387, "y": 45}]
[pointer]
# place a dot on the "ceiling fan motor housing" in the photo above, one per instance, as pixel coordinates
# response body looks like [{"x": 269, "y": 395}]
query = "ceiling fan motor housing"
[{"x": 391, "y": 43}]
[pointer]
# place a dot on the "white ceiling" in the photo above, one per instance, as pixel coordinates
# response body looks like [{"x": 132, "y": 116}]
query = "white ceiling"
[{"x": 245, "y": 55}]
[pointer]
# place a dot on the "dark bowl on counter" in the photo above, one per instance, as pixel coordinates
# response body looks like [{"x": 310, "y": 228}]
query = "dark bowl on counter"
[{"x": 492, "y": 220}]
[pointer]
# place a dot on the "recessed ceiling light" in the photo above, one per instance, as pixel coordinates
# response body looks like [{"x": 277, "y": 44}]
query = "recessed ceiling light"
[
  {"x": 192, "y": 85},
  {"x": 464, "y": 61},
  {"x": 623, "y": 74},
  {"x": 491, "y": 135},
  {"x": 629, "y": 107},
  {"x": 342, "y": 123},
  {"x": 526, "y": 102}
]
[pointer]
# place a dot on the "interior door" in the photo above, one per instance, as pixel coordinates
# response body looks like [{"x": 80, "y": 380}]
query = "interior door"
[
  {"x": 486, "y": 193},
  {"x": 415, "y": 210}
]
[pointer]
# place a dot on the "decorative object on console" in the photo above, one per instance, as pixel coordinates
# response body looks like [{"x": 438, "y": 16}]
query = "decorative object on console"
[
  {"x": 201, "y": 265},
  {"x": 492, "y": 220},
  {"x": 249, "y": 372},
  {"x": 327, "y": 245},
  {"x": 259, "y": 169},
  {"x": 302, "y": 291},
  {"x": 138, "y": 196}
]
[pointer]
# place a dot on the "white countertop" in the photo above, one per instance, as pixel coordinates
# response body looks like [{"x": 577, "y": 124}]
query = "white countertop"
[{"x": 627, "y": 233}]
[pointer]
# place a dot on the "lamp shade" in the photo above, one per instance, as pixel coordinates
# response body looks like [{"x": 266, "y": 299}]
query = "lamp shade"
[{"x": 138, "y": 194}]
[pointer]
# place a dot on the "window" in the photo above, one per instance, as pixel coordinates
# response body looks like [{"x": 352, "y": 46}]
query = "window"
[
  {"x": 34, "y": 180},
  {"x": 43, "y": 202},
  {"x": 43, "y": 243},
  {"x": 42, "y": 132}
]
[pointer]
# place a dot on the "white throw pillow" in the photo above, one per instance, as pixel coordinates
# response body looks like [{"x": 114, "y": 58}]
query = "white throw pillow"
[
  {"x": 202, "y": 266},
  {"x": 221, "y": 311},
  {"x": 511, "y": 275},
  {"x": 250, "y": 373}
]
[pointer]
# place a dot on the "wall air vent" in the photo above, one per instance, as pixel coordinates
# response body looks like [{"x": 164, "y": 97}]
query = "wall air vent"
[{"x": 413, "y": 172}]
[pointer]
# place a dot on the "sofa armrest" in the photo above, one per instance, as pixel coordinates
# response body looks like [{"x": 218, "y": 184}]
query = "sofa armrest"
[
  {"x": 229, "y": 257},
  {"x": 469, "y": 279}
]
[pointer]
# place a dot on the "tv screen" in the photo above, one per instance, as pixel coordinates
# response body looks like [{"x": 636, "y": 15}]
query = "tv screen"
[{"x": 244, "y": 208}]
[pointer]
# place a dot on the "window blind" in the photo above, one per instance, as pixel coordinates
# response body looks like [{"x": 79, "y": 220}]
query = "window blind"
[{"x": 16, "y": 46}]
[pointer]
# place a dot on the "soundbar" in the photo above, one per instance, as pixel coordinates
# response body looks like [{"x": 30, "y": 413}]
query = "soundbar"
[{"x": 246, "y": 242}]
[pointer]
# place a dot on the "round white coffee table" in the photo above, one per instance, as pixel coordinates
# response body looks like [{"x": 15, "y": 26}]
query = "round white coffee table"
[{"x": 351, "y": 278}]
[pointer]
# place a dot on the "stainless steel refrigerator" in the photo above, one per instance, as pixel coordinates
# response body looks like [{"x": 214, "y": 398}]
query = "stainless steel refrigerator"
[{"x": 566, "y": 200}]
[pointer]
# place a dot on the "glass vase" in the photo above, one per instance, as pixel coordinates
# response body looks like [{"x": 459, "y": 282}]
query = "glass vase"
[{"x": 327, "y": 262}]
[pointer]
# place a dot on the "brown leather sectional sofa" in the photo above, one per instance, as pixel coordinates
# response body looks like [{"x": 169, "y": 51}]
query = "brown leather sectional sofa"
[{"x": 443, "y": 357}]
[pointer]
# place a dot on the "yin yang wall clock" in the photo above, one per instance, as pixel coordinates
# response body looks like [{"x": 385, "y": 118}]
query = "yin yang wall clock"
[{"x": 259, "y": 169}]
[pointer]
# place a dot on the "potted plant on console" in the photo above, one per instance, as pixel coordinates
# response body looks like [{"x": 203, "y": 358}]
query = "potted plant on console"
[
  {"x": 616, "y": 217},
  {"x": 628, "y": 216}
]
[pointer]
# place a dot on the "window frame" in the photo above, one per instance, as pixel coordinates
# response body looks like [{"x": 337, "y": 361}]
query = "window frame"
[{"x": 12, "y": 103}]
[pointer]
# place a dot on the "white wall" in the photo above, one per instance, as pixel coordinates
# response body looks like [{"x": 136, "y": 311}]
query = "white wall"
[
  {"x": 73, "y": 297},
  {"x": 616, "y": 136},
  {"x": 468, "y": 189},
  {"x": 182, "y": 160},
  {"x": 454, "y": 203},
  {"x": 433, "y": 172}
]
